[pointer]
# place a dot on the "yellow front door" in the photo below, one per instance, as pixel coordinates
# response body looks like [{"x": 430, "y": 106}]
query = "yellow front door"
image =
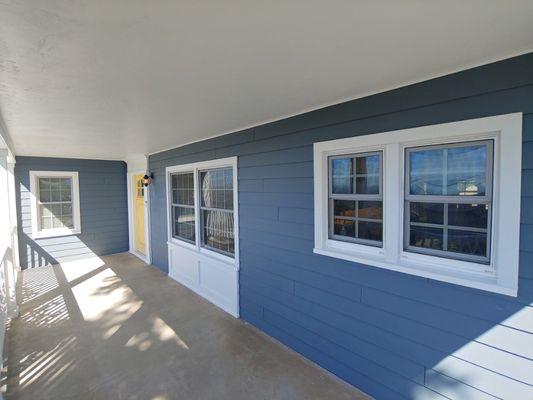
[{"x": 138, "y": 196}]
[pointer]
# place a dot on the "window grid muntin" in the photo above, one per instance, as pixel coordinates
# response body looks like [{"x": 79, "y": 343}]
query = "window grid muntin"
[
  {"x": 489, "y": 143},
  {"x": 228, "y": 211},
  {"x": 354, "y": 197},
  {"x": 447, "y": 200},
  {"x": 140, "y": 188},
  {"x": 177, "y": 205},
  {"x": 356, "y": 219},
  {"x": 355, "y": 175},
  {"x": 61, "y": 202}
]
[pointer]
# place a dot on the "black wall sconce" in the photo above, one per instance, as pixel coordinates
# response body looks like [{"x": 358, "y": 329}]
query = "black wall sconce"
[{"x": 147, "y": 180}]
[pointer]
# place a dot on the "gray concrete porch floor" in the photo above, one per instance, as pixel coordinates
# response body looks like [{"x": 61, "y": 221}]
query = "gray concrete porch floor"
[{"x": 115, "y": 328}]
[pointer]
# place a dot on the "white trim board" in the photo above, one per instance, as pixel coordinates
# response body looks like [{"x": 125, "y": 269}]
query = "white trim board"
[{"x": 501, "y": 275}]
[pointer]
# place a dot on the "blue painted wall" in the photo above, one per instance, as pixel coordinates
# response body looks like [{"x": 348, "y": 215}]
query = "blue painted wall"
[
  {"x": 390, "y": 334},
  {"x": 103, "y": 209}
]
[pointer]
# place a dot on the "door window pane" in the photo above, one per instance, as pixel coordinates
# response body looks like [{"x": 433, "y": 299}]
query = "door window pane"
[{"x": 140, "y": 188}]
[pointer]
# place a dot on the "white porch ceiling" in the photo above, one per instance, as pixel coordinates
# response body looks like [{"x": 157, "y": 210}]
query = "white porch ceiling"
[{"x": 118, "y": 78}]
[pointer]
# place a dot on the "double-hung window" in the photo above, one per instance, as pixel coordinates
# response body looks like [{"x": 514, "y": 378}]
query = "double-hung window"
[
  {"x": 201, "y": 206},
  {"x": 355, "y": 198},
  {"x": 441, "y": 201},
  {"x": 55, "y": 203},
  {"x": 448, "y": 196}
]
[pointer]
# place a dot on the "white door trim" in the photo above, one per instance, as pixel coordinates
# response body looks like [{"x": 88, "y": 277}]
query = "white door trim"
[{"x": 147, "y": 258}]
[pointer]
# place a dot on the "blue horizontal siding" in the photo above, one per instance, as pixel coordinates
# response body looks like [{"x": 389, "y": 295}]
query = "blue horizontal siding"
[
  {"x": 103, "y": 209},
  {"x": 392, "y": 335}
]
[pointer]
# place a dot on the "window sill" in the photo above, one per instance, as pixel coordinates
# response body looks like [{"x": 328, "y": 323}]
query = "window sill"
[
  {"x": 412, "y": 264},
  {"x": 56, "y": 233}
]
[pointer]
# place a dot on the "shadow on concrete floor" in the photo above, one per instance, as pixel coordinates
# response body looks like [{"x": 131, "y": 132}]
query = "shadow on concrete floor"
[{"x": 115, "y": 328}]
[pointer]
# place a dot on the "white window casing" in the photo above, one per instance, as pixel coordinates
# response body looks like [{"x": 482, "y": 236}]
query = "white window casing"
[
  {"x": 38, "y": 231},
  {"x": 500, "y": 273}
]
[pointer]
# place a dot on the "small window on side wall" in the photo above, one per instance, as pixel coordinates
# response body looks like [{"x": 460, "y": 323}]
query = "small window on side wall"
[{"x": 55, "y": 203}]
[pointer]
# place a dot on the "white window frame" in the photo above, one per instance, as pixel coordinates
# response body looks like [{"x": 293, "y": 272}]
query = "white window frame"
[
  {"x": 197, "y": 168},
  {"x": 37, "y": 232},
  {"x": 501, "y": 275},
  {"x": 445, "y": 200},
  {"x": 356, "y": 197}
]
